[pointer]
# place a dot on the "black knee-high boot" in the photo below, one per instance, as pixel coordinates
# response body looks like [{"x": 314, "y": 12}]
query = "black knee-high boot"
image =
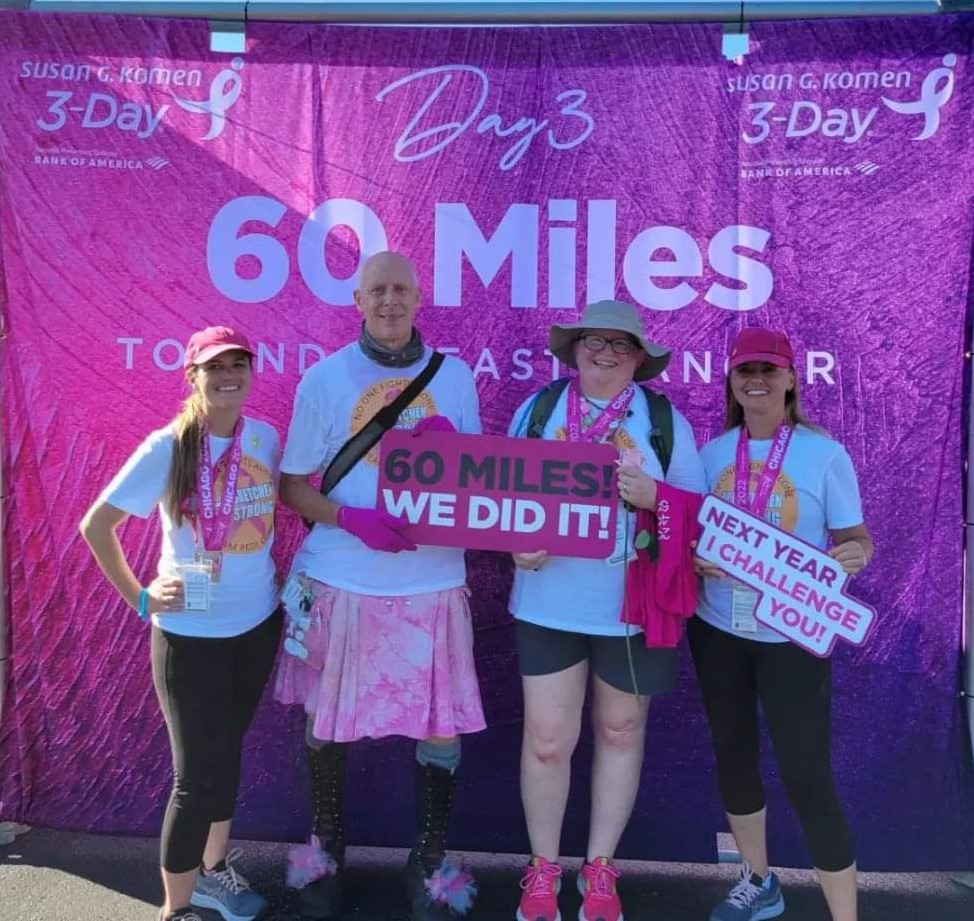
[
  {"x": 439, "y": 887},
  {"x": 322, "y": 897}
]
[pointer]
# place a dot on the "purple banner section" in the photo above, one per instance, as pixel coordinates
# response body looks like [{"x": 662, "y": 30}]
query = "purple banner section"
[{"x": 148, "y": 187}]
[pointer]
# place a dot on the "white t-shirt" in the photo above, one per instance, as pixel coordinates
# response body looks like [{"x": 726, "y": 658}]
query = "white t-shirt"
[
  {"x": 335, "y": 398},
  {"x": 815, "y": 493},
  {"x": 246, "y": 593},
  {"x": 585, "y": 596}
]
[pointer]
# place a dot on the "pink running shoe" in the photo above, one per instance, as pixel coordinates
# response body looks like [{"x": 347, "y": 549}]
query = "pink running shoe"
[
  {"x": 597, "y": 883},
  {"x": 541, "y": 884}
]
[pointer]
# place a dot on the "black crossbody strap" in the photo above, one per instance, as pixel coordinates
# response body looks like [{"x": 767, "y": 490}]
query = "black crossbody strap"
[{"x": 350, "y": 453}]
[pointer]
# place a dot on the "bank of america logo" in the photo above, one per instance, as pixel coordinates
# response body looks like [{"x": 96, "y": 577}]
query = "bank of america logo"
[
  {"x": 867, "y": 167},
  {"x": 157, "y": 162}
]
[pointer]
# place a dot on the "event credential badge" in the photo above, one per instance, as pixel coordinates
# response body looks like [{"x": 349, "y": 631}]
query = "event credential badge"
[
  {"x": 623, "y": 551},
  {"x": 197, "y": 582},
  {"x": 213, "y": 559},
  {"x": 744, "y": 601}
]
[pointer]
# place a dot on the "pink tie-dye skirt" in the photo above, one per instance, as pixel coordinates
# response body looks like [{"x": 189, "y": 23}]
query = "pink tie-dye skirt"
[{"x": 367, "y": 666}]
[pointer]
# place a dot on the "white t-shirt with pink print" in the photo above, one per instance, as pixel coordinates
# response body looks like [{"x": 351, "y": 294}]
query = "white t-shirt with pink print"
[{"x": 335, "y": 398}]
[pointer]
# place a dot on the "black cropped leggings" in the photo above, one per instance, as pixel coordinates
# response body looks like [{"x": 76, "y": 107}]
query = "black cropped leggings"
[
  {"x": 795, "y": 692},
  {"x": 208, "y": 690}
]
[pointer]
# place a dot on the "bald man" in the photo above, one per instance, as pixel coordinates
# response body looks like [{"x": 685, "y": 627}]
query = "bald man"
[{"x": 379, "y": 639}]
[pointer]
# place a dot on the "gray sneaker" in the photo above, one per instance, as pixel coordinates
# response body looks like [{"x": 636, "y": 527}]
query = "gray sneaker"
[
  {"x": 227, "y": 892},
  {"x": 752, "y": 899},
  {"x": 187, "y": 914}
]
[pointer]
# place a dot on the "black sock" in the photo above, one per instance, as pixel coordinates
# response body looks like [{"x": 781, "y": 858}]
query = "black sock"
[{"x": 217, "y": 868}]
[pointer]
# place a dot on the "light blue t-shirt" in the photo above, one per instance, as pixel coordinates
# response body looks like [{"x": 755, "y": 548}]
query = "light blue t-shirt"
[
  {"x": 816, "y": 492},
  {"x": 246, "y": 593},
  {"x": 582, "y": 595}
]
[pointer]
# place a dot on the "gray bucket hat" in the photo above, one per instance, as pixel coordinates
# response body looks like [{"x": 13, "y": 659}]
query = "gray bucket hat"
[{"x": 609, "y": 315}]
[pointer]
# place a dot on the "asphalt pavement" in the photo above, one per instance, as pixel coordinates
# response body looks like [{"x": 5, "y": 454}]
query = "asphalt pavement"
[{"x": 48, "y": 875}]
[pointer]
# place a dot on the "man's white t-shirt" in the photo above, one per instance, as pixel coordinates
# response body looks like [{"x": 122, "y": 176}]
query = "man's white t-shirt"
[
  {"x": 815, "y": 493},
  {"x": 337, "y": 397},
  {"x": 246, "y": 593},
  {"x": 582, "y": 595}
]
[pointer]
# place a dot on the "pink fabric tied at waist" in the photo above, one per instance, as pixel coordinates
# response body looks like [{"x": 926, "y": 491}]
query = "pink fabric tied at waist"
[{"x": 663, "y": 594}]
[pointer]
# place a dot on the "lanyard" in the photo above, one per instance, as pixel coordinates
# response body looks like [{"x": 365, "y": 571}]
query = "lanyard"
[
  {"x": 607, "y": 419},
  {"x": 769, "y": 474},
  {"x": 214, "y": 520}
]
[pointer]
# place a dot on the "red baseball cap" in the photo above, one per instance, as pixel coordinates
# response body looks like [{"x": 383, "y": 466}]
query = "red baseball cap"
[
  {"x": 764, "y": 345},
  {"x": 213, "y": 341}
]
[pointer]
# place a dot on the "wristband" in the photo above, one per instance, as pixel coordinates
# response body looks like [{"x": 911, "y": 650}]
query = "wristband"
[{"x": 143, "y": 604}]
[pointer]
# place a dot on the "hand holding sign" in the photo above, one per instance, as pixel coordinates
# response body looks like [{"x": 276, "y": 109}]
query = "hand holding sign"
[
  {"x": 432, "y": 424},
  {"x": 801, "y": 589},
  {"x": 851, "y": 556},
  {"x": 532, "y": 561},
  {"x": 377, "y": 529},
  {"x": 637, "y": 487}
]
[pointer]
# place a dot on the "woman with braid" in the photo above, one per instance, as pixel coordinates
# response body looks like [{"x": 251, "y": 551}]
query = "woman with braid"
[{"x": 212, "y": 473}]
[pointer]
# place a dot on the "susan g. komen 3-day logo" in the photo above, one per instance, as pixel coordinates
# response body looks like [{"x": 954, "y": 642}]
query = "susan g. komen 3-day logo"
[
  {"x": 889, "y": 98},
  {"x": 935, "y": 93},
  {"x": 225, "y": 90}
]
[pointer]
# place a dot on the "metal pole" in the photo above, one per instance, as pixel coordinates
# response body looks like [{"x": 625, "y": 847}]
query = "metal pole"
[
  {"x": 832, "y": 9},
  {"x": 4, "y": 645},
  {"x": 968, "y": 637},
  {"x": 485, "y": 12}
]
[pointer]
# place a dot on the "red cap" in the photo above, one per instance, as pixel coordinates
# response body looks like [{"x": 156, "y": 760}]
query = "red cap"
[
  {"x": 764, "y": 345},
  {"x": 213, "y": 341}
]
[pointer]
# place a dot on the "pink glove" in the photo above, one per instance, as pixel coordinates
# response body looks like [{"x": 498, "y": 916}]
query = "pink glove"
[
  {"x": 376, "y": 529},
  {"x": 433, "y": 424}
]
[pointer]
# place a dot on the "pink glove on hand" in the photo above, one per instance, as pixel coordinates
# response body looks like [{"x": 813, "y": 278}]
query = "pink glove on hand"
[
  {"x": 375, "y": 528},
  {"x": 433, "y": 424}
]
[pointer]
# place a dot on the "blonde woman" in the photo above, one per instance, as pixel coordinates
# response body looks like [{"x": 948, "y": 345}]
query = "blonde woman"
[{"x": 213, "y": 473}]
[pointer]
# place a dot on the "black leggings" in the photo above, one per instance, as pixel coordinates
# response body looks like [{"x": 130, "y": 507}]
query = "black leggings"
[
  {"x": 795, "y": 691},
  {"x": 208, "y": 690}
]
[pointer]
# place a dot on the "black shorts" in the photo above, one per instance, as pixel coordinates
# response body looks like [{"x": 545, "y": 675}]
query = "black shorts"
[{"x": 543, "y": 651}]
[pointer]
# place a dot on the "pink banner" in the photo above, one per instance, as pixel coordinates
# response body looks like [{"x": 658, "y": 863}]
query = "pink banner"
[
  {"x": 149, "y": 186},
  {"x": 486, "y": 492}
]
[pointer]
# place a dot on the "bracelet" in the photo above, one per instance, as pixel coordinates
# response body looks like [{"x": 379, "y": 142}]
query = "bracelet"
[{"x": 143, "y": 604}]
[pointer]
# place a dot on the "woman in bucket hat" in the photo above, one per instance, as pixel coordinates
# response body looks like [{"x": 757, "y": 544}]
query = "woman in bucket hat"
[
  {"x": 213, "y": 474},
  {"x": 568, "y": 610},
  {"x": 813, "y": 493}
]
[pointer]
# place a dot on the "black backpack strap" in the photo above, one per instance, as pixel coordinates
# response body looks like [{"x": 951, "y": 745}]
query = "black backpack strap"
[
  {"x": 660, "y": 417},
  {"x": 661, "y": 427},
  {"x": 543, "y": 406},
  {"x": 350, "y": 453}
]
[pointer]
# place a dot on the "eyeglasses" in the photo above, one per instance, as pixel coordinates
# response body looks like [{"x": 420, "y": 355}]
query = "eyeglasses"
[{"x": 623, "y": 346}]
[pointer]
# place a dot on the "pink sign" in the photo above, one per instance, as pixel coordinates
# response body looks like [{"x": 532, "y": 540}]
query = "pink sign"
[{"x": 486, "y": 492}]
